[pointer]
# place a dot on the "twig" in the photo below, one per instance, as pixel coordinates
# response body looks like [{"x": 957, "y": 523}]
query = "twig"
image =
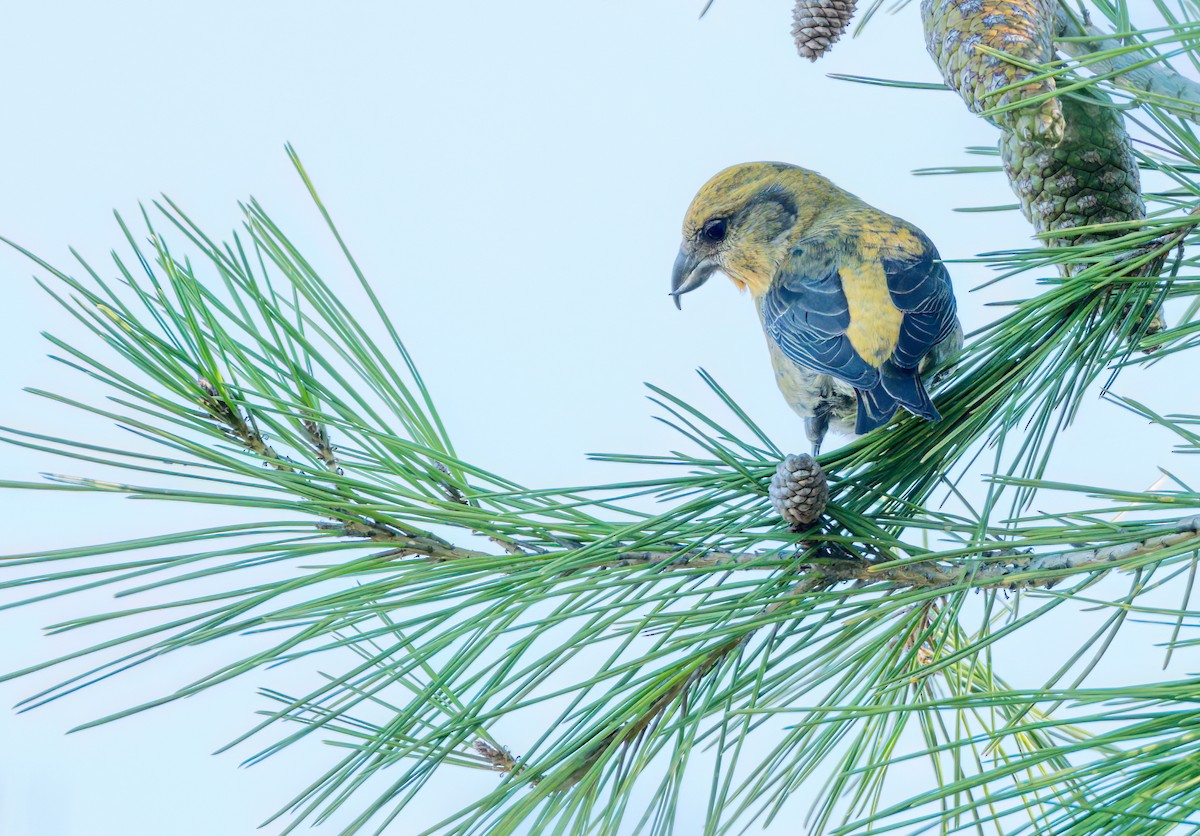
[
  {"x": 318, "y": 435},
  {"x": 455, "y": 495},
  {"x": 237, "y": 427},
  {"x": 635, "y": 729},
  {"x": 997, "y": 570},
  {"x": 1010, "y": 572},
  {"x": 1156, "y": 79},
  {"x": 347, "y": 522},
  {"x": 423, "y": 543}
]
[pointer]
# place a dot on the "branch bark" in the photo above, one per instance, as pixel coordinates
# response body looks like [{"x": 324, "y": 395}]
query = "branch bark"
[
  {"x": 999, "y": 570},
  {"x": 1018, "y": 572}
]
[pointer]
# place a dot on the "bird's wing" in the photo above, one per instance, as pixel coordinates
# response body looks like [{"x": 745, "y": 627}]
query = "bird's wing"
[
  {"x": 805, "y": 312},
  {"x": 919, "y": 285}
]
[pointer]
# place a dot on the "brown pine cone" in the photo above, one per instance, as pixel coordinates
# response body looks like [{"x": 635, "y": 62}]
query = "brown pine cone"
[
  {"x": 818, "y": 24},
  {"x": 799, "y": 491}
]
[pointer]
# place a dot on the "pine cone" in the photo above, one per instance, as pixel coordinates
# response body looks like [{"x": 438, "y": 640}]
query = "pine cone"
[
  {"x": 799, "y": 491},
  {"x": 1090, "y": 177},
  {"x": 818, "y": 24},
  {"x": 1023, "y": 29},
  {"x": 1069, "y": 161}
]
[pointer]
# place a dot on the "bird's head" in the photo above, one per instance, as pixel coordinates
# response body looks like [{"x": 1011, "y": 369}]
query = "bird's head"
[{"x": 744, "y": 221}]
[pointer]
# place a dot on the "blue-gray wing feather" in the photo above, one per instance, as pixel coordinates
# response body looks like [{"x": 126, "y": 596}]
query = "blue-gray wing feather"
[
  {"x": 920, "y": 287},
  {"x": 806, "y": 314}
]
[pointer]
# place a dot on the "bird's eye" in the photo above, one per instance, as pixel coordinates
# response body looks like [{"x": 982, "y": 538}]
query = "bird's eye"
[{"x": 714, "y": 230}]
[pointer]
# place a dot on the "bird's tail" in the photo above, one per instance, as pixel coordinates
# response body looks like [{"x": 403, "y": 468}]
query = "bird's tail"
[
  {"x": 896, "y": 387},
  {"x": 875, "y": 408}
]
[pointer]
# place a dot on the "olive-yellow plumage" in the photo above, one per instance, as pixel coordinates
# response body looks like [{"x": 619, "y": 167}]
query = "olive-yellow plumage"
[{"x": 855, "y": 303}]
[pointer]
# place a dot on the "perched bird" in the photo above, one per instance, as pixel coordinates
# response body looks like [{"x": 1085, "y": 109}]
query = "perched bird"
[{"x": 856, "y": 304}]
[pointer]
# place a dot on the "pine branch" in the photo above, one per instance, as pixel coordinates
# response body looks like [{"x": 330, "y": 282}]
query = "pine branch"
[
  {"x": 1128, "y": 69},
  {"x": 632, "y": 731},
  {"x": 1013, "y": 571},
  {"x": 455, "y": 495},
  {"x": 1007, "y": 569},
  {"x": 479, "y": 636},
  {"x": 240, "y": 429}
]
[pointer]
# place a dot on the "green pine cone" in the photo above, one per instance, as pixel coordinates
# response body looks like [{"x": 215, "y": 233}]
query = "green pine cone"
[
  {"x": 1089, "y": 177},
  {"x": 1023, "y": 29},
  {"x": 1069, "y": 161}
]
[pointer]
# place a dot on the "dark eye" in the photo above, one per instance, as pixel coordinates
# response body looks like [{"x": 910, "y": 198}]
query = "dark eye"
[{"x": 714, "y": 230}]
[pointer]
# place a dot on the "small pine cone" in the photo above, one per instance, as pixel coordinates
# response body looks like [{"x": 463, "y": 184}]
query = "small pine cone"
[
  {"x": 1024, "y": 29},
  {"x": 799, "y": 491},
  {"x": 817, "y": 25}
]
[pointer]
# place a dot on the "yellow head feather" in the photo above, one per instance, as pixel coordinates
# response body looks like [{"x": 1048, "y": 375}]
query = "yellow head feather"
[{"x": 766, "y": 208}]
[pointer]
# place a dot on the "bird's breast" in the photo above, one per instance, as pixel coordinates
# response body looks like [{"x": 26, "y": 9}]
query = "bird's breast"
[{"x": 808, "y": 392}]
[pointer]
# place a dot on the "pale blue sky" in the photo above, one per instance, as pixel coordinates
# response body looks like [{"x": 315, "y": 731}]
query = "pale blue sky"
[{"x": 511, "y": 176}]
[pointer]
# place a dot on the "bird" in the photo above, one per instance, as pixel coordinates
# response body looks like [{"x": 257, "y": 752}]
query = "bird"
[{"x": 856, "y": 304}]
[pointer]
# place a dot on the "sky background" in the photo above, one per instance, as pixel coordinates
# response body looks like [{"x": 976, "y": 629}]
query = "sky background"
[{"x": 511, "y": 177}]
